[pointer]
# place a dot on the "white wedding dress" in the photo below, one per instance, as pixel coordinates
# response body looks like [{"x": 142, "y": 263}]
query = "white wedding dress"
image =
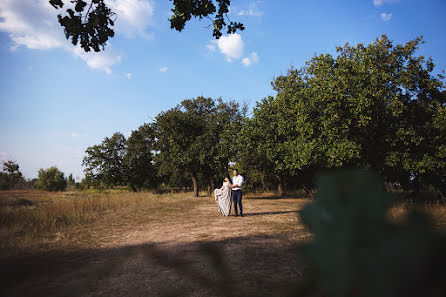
[{"x": 223, "y": 197}]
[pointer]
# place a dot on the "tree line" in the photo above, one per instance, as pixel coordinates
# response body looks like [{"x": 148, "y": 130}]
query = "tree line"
[
  {"x": 187, "y": 146},
  {"x": 50, "y": 179},
  {"x": 378, "y": 107}
]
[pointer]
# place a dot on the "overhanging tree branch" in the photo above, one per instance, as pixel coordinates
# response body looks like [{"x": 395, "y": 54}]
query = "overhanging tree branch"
[{"x": 93, "y": 29}]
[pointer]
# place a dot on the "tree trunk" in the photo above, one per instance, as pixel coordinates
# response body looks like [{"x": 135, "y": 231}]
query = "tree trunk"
[
  {"x": 211, "y": 187},
  {"x": 195, "y": 183},
  {"x": 280, "y": 187}
]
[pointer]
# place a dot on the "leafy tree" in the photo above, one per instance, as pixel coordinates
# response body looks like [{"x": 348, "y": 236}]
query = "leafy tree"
[
  {"x": 11, "y": 175},
  {"x": 177, "y": 134},
  {"x": 141, "y": 172},
  {"x": 51, "y": 179},
  {"x": 90, "y": 23},
  {"x": 375, "y": 106},
  {"x": 105, "y": 164},
  {"x": 184, "y": 10},
  {"x": 261, "y": 144},
  {"x": 218, "y": 143},
  {"x": 197, "y": 137}
]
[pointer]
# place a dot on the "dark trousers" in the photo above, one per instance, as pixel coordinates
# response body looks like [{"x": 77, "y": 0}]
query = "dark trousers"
[{"x": 237, "y": 198}]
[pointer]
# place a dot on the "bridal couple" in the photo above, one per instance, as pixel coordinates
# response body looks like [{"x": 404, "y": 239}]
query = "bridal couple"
[{"x": 230, "y": 191}]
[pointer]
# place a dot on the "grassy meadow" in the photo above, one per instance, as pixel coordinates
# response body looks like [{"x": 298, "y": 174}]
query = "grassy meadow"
[{"x": 117, "y": 242}]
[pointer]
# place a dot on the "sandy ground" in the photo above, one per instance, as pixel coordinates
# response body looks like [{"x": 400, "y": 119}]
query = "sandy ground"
[{"x": 186, "y": 252}]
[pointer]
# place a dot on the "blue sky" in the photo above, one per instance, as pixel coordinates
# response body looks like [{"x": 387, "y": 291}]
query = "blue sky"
[{"x": 55, "y": 100}]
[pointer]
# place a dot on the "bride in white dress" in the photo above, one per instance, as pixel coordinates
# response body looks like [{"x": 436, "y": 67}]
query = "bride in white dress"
[{"x": 223, "y": 197}]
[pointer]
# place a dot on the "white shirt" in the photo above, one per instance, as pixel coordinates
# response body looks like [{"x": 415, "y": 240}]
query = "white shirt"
[{"x": 237, "y": 180}]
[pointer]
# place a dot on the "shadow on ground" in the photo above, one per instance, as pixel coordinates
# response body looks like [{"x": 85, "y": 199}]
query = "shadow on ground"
[
  {"x": 245, "y": 266},
  {"x": 277, "y": 197},
  {"x": 270, "y": 213}
]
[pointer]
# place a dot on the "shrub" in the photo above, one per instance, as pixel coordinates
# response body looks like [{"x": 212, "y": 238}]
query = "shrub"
[{"x": 51, "y": 179}]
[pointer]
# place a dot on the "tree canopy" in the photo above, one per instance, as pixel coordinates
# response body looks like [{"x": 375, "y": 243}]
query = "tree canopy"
[
  {"x": 377, "y": 107},
  {"x": 197, "y": 137},
  {"x": 141, "y": 172},
  {"x": 104, "y": 163}
]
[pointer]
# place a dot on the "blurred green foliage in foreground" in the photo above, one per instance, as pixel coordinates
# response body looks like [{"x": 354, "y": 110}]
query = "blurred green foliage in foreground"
[{"x": 357, "y": 250}]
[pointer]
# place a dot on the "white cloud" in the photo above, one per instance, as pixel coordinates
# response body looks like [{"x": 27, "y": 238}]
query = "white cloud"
[
  {"x": 382, "y": 2},
  {"x": 133, "y": 16},
  {"x": 252, "y": 10},
  {"x": 211, "y": 47},
  {"x": 128, "y": 75},
  {"x": 33, "y": 24},
  {"x": 386, "y": 16},
  {"x": 246, "y": 61},
  {"x": 102, "y": 60},
  {"x": 3, "y": 154},
  {"x": 378, "y": 2},
  {"x": 163, "y": 69},
  {"x": 231, "y": 46},
  {"x": 253, "y": 58}
]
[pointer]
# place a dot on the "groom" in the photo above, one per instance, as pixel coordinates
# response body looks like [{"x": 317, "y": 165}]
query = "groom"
[{"x": 236, "y": 186}]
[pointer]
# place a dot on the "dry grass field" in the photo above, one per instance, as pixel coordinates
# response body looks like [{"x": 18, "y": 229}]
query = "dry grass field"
[{"x": 143, "y": 244}]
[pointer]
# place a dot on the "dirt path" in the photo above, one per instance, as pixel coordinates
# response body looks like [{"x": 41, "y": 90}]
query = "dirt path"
[
  {"x": 173, "y": 254},
  {"x": 204, "y": 223}
]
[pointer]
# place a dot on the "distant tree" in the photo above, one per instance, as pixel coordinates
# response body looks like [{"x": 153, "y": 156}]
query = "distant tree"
[
  {"x": 105, "y": 165},
  {"x": 51, "y": 179},
  {"x": 141, "y": 172},
  {"x": 83, "y": 184},
  {"x": 4, "y": 181},
  {"x": 90, "y": 23},
  {"x": 70, "y": 180},
  {"x": 11, "y": 175}
]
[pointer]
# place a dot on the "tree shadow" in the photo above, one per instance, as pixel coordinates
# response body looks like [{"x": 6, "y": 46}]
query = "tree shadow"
[
  {"x": 264, "y": 265},
  {"x": 276, "y": 197},
  {"x": 270, "y": 213}
]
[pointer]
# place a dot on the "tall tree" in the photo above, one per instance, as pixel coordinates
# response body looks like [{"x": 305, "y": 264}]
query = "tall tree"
[
  {"x": 377, "y": 106},
  {"x": 197, "y": 137},
  {"x": 105, "y": 162},
  {"x": 218, "y": 142},
  {"x": 178, "y": 131},
  {"x": 141, "y": 172},
  {"x": 262, "y": 145},
  {"x": 12, "y": 174}
]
